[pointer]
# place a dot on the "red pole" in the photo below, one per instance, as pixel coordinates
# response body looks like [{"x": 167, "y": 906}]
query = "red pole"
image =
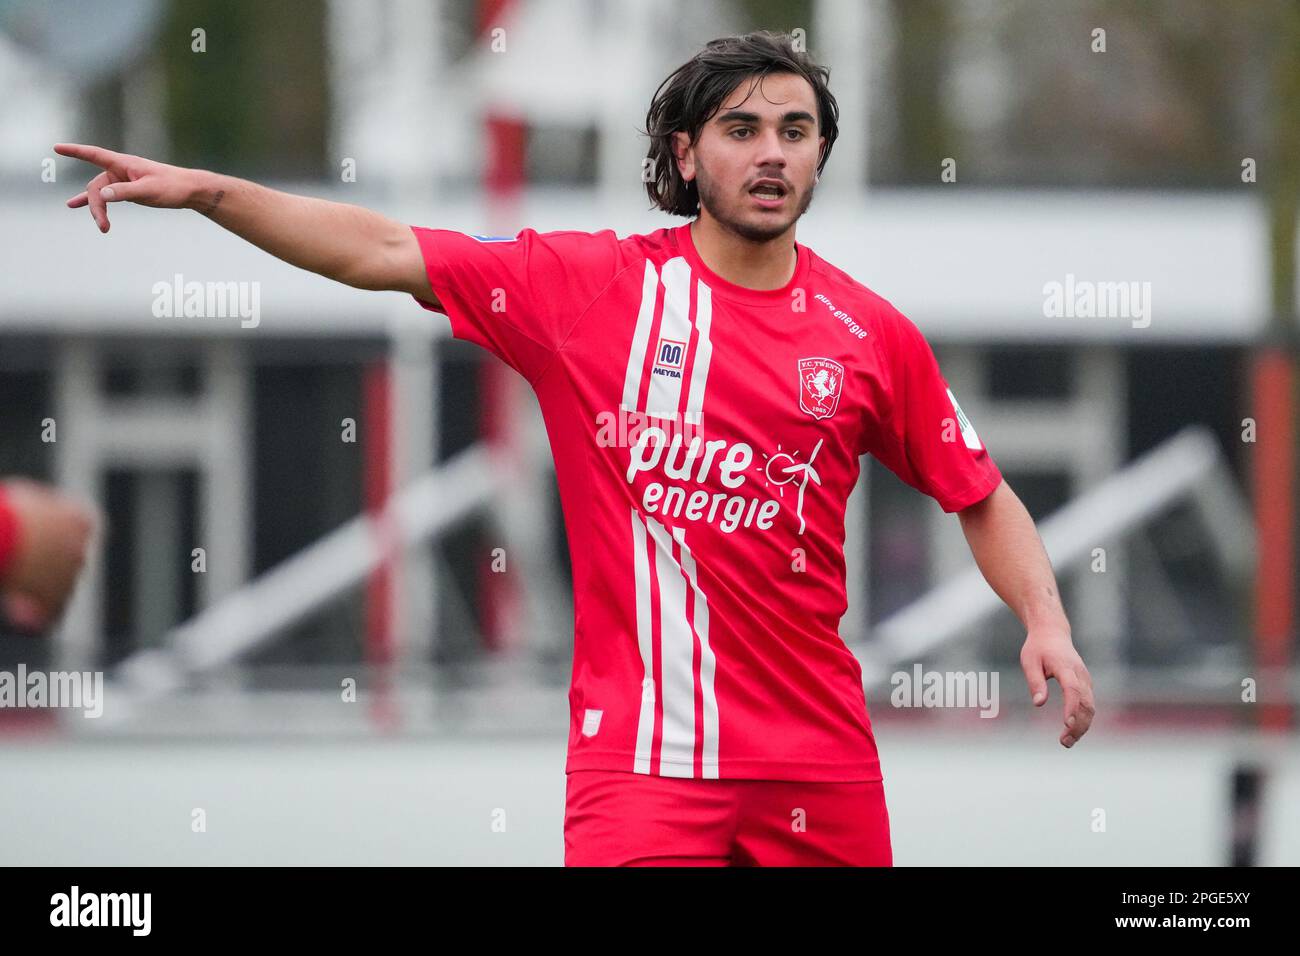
[
  {"x": 377, "y": 488},
  {"x": 1274, "y": 395},
  {"x": 504, "y": 177},
  {"x": 1274, "y": 496}
]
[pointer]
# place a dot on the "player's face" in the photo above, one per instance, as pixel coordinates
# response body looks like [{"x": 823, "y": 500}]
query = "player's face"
[{"x": 755, "y": 160}]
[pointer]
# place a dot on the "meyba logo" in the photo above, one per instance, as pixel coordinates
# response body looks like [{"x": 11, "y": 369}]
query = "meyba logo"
[{"x": 670, "y": 356}]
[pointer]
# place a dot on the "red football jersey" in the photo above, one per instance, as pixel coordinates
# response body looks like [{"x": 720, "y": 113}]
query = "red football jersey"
[{"x": 706, "y": 438}]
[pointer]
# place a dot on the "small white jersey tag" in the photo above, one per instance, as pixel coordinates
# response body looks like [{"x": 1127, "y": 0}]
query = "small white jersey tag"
[{"x": 967, "y": 429}]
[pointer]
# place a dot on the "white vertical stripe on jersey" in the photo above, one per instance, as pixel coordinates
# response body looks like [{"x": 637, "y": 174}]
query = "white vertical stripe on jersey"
[
  {"x": 703, "y": 352},
  {"x": 645, "y": 728},
  {"x": 640, "y": 338},
  {"x": 708, "y": 665},
  {"x": 676, "y": 661},
  {"x": 666, "y": 391}
]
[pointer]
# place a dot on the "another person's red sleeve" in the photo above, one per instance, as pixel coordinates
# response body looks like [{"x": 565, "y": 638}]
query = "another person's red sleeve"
[{"x": 8, "y": 532}]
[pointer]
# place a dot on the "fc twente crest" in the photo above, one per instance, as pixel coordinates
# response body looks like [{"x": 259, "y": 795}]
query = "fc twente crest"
[{"x": 820, "y": 380}]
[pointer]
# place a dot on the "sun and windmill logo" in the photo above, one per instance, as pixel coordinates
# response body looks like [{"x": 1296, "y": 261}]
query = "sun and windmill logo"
[{"x": 781, "y": 468}]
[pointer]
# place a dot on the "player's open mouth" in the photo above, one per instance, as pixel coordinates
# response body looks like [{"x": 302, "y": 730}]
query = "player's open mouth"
[{"x": 769, "y": 194}]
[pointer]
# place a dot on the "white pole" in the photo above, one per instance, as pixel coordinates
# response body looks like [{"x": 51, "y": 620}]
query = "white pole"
[{"x": 841, "y": 38}]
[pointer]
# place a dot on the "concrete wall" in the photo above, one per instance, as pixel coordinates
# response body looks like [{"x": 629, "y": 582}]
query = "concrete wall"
[{"x": 954, "y": 799}]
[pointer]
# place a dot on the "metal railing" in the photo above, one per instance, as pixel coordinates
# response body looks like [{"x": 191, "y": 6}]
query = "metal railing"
[{"x": 1188, "y": 465}]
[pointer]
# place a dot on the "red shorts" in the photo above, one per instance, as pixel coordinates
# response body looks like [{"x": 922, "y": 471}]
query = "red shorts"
[{"x": 621, "y": 818}]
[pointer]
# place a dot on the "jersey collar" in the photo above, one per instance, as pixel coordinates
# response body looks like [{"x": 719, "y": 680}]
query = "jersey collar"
[{"x": 730, "y": 290}]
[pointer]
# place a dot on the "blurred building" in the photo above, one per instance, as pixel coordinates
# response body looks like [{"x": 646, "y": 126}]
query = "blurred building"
[{"x": 992, "y": 163}]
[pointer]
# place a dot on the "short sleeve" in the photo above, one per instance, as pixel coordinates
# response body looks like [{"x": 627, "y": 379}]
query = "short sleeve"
[
  {"x": 926, "y": 439},
  {"x": 517, "y": 297}
]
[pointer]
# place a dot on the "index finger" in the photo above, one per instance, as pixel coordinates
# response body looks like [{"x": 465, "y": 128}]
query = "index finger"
[{"x": 92, "y": 154}]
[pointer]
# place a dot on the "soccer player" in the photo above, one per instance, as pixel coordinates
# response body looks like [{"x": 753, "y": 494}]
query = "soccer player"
[
  {"x": 708, "y": 390},
  {"x": 43, "y": 541}
]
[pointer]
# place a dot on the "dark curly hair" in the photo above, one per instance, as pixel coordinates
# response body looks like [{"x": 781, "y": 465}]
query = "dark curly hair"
[{"x": 695, "y": 91}]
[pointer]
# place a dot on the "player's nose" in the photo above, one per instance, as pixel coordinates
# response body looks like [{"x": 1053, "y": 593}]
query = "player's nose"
[{"x": 770, "y": 157}]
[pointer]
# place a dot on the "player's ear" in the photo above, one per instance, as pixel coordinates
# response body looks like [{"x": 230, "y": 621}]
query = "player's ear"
[{"x": 684, "y": 153}]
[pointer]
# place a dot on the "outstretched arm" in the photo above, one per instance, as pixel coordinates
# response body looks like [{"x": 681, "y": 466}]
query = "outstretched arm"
[
  {"x": 1006, "y": 546},
  {"x": 347, "y": 243}
]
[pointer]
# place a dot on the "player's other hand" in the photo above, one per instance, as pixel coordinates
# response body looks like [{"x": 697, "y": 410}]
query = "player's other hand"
[
  {"x": 1051, "y": 654},
  {"x": 127, "y": 178},
  {"x": 54, "y": 534}
]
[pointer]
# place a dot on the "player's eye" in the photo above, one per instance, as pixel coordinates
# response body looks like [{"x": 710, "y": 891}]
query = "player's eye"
[
  {"x": 741, "y": 129},
  {"x": 798, "y": 133}
]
